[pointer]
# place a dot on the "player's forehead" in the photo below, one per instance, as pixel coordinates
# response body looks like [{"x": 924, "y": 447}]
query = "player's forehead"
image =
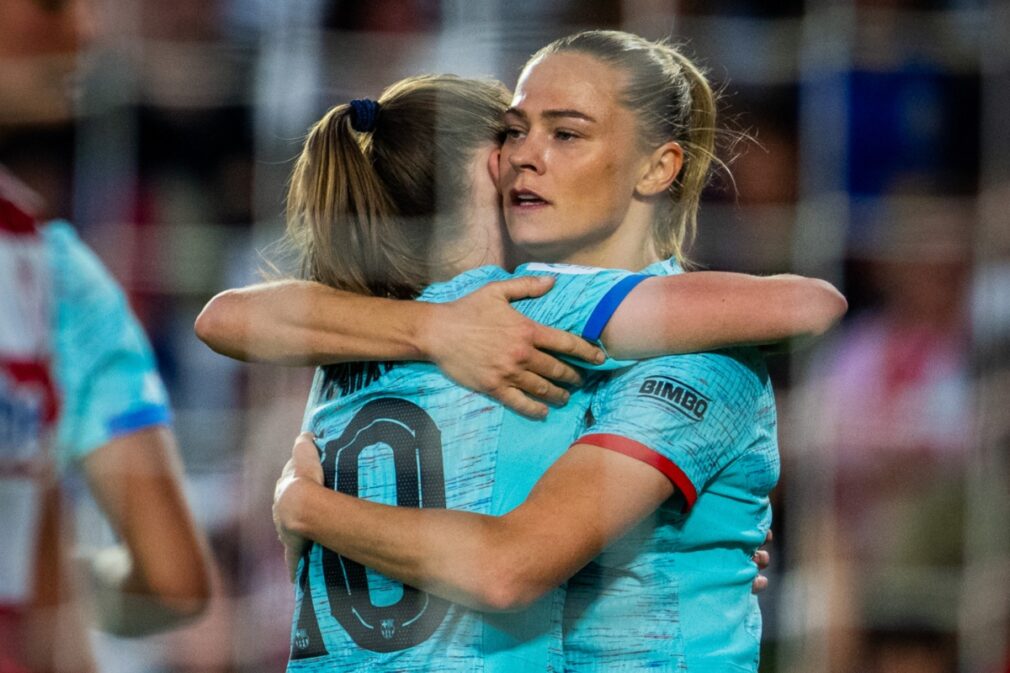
[{"x": 571, "y": 82}]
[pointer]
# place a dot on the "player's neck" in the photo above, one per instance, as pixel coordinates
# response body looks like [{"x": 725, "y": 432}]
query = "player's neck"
[
  {"x": 628, "y": 248},
  {"x": 477, "y": 240}
]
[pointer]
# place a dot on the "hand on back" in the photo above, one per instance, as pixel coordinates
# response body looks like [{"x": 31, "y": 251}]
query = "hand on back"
[{"x": 484, "y": 344}]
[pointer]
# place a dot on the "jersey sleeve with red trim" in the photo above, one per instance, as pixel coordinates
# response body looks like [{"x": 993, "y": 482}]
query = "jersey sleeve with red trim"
[{"x": 687, "y": 415}]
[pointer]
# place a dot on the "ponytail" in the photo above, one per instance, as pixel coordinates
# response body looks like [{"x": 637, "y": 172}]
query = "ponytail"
[
  {"x": 675, "y": 232},
  {"x": 340, "y": 217},
  {"x": 367, "y": 194}
]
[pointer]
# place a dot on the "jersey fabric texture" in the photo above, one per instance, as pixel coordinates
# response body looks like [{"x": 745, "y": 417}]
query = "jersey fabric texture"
[
  {"x": 406, "y": 435},
  {"x": 105, "y": 369},
  {"x": 674, "y": 594}
]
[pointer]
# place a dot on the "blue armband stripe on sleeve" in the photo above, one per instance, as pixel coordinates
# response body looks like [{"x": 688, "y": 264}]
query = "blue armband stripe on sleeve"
[
  {"x": 605, "y": 309},
  {"x": 138, "y": 419}
]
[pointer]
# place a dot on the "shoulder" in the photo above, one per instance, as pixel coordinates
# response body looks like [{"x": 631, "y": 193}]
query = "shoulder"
[
  {"x": 666, "y": 267},
  {"x": 65, "y": 246},
  {"x": 573, "y": 273},
  {"x": 586, "y": 283},
  {"x": 76, "y": 266},
  {"x": 59, "y": 233},
  {"x": 463, "y": 284}
]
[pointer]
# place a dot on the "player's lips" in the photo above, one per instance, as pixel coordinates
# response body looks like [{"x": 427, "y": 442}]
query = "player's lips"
[{"x": 526, "y": 199}]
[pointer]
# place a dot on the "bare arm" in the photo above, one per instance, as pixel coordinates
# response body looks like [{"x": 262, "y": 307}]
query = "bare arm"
[
  {"x": 304, "y": 323},
  {"x": 485, "y": 562},
  {"x": 708, "y": 310},
  {"x": 484, "y": 345},
  {"x": 479, "y": 341},
  {"x": 160, "y": 577},
  {"x": 300, "y": 322}
]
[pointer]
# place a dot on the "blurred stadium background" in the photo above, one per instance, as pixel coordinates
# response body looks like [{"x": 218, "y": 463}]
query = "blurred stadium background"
[{"x": 880, "y": 160}]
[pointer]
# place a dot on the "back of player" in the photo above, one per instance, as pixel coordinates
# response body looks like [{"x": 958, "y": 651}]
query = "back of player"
[
  {"x": 674, "y": 594},
  {"x": 406, "y": 435}
]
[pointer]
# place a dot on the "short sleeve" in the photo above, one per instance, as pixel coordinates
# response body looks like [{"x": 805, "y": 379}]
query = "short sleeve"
[
  {"x": 104, "y": 365},
  {"x": 687, "y": 415},
  {"x": 582, "y": 300}
]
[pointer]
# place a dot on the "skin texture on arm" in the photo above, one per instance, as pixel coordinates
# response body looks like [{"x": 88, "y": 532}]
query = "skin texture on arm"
[
  {"x": 708, "y": 310},
  {"x": 485, "y": 562},
  {"x": 160, "y": 577},
  {"x": 292, "y": 322}
]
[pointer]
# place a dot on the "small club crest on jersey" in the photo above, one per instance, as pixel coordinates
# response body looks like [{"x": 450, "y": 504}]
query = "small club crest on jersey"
[
  {"x": 301, "y": 639},
  {"x": 388, "y": 628}
]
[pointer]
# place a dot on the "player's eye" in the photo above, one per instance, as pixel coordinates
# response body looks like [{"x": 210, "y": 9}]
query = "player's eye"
[
  {"x": 565, "y": 136},
  {"x": 514, "y": 133}
]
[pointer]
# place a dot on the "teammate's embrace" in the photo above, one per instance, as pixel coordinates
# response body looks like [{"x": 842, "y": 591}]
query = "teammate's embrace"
[{"x": 584, "y": 180}]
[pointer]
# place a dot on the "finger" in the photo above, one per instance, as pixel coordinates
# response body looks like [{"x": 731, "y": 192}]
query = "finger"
[
  {"x": 305, "y": 458},
  {"x": 768, "y": 537},
  {"x": 524, "y": 286},
  {"x": 308, "y": 440},
  {"x": 552, "y": 368},
  {"x": 760, "y": 584},
  {"x": 762, "y": 558},
  {"x": 539, "y": 387},
  {"x": 304, "y": 448},
  {"x": 515, "y": 400},
  {"x": 559, "y": 341}
]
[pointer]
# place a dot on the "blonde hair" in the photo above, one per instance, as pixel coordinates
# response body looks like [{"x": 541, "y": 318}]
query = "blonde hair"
[
  {"x": 362, "y": 207},
  {"x": 672, "y": 100}
]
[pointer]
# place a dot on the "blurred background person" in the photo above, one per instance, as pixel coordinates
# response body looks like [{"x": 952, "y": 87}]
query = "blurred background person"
[
  {"x": 80, "y": 391},
  {"x": 893, "y": 401}
]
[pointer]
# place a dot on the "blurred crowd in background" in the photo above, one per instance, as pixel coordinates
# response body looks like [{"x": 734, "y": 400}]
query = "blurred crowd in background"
[{"x": 867, "y": 143}]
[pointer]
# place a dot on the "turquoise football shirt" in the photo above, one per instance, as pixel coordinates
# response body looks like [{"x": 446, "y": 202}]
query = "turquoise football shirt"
[
  {"x": 674, "y": 594},
  {"x": 404, "y": 434},
  {"x": 103, "y": 364}
]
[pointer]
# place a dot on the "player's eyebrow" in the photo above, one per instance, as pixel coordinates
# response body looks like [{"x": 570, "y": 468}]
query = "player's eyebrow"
[{"x": 553, "y": 114}]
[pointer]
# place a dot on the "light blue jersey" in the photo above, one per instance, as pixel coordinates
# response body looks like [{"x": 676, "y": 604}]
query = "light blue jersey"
[
  {"x": 404, "y": 434},
  {"x": 674, "y": 594},
  {"x": 104, "y": 368}
]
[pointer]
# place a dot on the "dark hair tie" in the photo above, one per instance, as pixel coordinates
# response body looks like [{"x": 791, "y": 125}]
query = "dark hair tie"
[{"x": 364, "y": 112}]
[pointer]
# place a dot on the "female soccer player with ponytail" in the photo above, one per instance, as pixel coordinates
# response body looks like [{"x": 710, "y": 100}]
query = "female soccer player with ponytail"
[{"x": 607, "y": 145}]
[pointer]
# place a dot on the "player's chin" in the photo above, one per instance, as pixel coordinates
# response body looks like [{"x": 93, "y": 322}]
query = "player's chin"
[{"x": 539, "y": 243}]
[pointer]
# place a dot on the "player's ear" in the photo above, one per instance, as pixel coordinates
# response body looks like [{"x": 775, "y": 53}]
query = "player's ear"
[
  {"x": 494, "y": 164},
  {"x": 660, "y": 169}
]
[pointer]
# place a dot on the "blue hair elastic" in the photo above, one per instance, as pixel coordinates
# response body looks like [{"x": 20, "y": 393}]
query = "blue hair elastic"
[{"x": 364, "y": 112}]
